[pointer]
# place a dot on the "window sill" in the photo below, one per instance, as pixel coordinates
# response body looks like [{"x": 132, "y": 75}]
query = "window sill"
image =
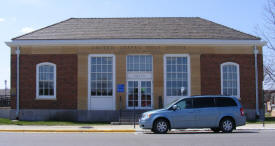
[{"x": 45, "y": 98}]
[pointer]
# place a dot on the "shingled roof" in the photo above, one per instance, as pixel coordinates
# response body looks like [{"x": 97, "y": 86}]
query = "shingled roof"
[{"x": 136, "y": 28}]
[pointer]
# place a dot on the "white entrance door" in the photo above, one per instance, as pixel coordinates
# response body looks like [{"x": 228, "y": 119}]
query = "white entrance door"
[{"x": 139, "y": 93}]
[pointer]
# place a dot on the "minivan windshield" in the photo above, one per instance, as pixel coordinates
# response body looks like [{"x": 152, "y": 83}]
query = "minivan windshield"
[{"x": 172, "y": 103}]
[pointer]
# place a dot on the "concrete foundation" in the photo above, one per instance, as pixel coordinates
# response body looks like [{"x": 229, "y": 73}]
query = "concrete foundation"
[
  {"x": 251, "y": 114},
  {"x": 5, "y": 112},
  {"x": 81, "y": 115},
  {"x": 66, "y": 115}
]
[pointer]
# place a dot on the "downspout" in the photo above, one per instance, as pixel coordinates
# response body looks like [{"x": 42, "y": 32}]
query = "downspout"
[
  {"x": 17, "y": 81},
  {"x": 256, "y": 51}
]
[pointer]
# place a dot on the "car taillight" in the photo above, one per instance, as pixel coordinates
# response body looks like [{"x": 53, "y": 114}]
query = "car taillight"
[{"x": 242, "y": 112}]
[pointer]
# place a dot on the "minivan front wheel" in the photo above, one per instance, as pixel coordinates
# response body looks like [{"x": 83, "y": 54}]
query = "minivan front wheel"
[
  {"x": 227, "y": 125},
  {"x": 161, "y": 126}
]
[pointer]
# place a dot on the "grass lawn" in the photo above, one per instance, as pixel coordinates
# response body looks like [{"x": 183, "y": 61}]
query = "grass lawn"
[
  {"x": 268, "y": 120},
  {"x": 4, "y": 121}
]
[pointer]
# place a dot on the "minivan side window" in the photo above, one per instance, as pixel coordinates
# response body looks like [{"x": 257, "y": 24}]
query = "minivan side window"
[
  {"x": 185, "y": 104},
  {"x": 224, "y": 102},
  {"x": 203, "y": 102}
]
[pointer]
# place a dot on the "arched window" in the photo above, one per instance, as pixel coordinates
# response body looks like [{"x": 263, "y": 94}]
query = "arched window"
[
  {"x": 230, "y": 79},
  {"x": 46, "y": 81}
]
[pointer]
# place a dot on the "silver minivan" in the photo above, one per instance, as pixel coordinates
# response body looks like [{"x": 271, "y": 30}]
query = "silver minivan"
[{"x": 220, "y": 113}]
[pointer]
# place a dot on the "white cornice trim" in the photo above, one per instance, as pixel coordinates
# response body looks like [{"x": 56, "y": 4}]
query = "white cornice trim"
[{"x": 142, "y": 42}]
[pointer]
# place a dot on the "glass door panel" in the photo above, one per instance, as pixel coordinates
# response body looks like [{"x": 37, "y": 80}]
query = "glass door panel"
[
  {"x": 133, "y": 93},
  {"x": 145, "y": 93}
]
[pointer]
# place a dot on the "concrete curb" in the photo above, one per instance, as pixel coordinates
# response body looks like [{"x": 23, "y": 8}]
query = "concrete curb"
[
  {"x": 70, "y": 131},
  {"x": 103, "y": 130}
]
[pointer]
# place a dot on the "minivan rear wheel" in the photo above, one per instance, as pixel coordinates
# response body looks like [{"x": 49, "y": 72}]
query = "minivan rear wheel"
[
  {"x": 161, "y": 126},
  {"x": 227, "y": 125}
]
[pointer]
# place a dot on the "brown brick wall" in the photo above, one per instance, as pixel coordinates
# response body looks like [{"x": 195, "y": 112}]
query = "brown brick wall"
[
  {"x": 66, "y": 81},
  {"x": 211, "y": 80}
]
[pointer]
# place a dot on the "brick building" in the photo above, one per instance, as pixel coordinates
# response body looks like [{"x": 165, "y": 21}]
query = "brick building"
[{"x": 71, "y": 70}]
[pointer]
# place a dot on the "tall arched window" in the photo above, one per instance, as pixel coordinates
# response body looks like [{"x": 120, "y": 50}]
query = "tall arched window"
[
  {"x": 46, "y": 81},
  {"x": 230, "y": 79}
]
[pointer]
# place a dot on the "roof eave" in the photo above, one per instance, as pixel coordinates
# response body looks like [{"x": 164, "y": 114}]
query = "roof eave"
[{"x": 122, "y": 42}]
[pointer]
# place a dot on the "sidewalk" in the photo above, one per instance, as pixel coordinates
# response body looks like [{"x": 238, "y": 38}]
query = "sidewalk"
[{"x": 105, "y": 128}]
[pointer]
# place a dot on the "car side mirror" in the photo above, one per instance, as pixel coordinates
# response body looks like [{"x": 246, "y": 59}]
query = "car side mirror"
[{"x": 174, "y": 107}]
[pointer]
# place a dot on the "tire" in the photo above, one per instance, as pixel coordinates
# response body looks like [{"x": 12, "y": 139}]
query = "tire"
[
  {"x": 227, "y": 125},
  {"x": 161, "y": 126},
  {"x": 215, "y": 130}
]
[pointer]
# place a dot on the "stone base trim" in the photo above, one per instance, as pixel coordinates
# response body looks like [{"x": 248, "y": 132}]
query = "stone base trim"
[{"x": 66, "y": 115}]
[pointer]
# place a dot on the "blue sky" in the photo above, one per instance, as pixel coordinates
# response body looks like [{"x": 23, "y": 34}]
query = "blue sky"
[{"x": 21, "y": 16}]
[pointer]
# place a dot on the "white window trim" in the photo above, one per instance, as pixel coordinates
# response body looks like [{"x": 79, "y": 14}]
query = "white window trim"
[
  {"x": 238, "y": 76},
  {"x": 41, "y": 97},
  {"x": 114, "y": 79},
  {"x": 188, "y": 75}
]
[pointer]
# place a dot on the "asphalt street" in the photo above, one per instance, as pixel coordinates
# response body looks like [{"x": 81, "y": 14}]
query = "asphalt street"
[{"x": 180, "y": 138}]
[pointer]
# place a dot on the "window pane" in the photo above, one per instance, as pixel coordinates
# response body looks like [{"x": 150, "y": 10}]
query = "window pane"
[
  {"x": 142, "y": 67},
  {"x": 142, "y": 59},
  {"x": 93, "y": 68},
  {"x": 93, "y": 60},
  {"x": 104, "y": 60},
  {"x": 98, "y": 76},
  {"x": 110, "y": 60},
  {"x": 104, "y": 76},
  {"x": 136, "y": 59},
  {"x": 93, "y": 85},
  {"x": 104, "y": 68},
  {"x": 98, "y": 68},
  {"x": 110, "y": 92},
  {"x": 224, "y": 102},
  {"x": 179, "y": 60},
  {"x": 51, "y": 69},
  {"x": 51, "y": 92},
  {"x": 169, "y": 68},
  {"x": 110, "y": 68},
  {"x": 203, "y": 102},
  {"x": 185, "y": 104},
  {"x": 110, "y": 85},
  {"x": 173, "y": 68},
  {"x": 98, "y": 59}
]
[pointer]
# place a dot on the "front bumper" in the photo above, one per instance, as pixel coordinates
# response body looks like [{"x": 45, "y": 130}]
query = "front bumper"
[{"x": 145, "y": 124}]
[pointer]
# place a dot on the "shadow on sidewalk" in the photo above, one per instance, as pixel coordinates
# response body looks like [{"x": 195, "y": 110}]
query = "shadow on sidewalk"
[{"x": 207, "y": 132}]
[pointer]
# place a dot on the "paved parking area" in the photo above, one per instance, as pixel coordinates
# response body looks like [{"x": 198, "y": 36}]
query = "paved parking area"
[{"x": 174, "y": 138}]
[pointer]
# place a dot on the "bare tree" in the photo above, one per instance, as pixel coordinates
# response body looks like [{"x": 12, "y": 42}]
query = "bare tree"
[{"x": 268, "y": 34}]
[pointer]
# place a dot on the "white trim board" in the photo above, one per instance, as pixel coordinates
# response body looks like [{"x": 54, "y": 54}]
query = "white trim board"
[{"x": 142, "y": 42}]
